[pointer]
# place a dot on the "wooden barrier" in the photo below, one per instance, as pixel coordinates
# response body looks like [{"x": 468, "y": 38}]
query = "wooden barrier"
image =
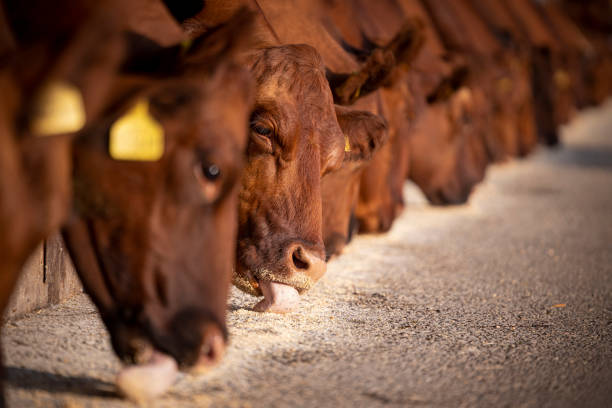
[{"x": 47, "y": 278}]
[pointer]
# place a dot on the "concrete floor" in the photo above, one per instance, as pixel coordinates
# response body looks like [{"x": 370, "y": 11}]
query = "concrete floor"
[{"x": 504, "y": 302}]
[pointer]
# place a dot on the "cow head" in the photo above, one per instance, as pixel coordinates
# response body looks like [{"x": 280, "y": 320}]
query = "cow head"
[
  {"x": 365, "y": 133},
  {"x": 448, "y": 155},
  {"x": 295, "y": 140},
  {"x": 506, "y": 84},
  {"x": 155, "y": 195},
  {"x": 382, "y": 182}
]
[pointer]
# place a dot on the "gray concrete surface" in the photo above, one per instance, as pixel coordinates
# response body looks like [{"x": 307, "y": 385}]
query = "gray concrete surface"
[{"x": 506, "y": 301}]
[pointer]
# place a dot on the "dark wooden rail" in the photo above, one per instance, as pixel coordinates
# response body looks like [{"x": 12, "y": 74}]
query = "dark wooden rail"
[{"x": 47, "y": 279}]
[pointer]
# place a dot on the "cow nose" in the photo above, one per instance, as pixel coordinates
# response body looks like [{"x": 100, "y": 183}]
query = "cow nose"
[
  {"x": 306, "y": 262},
  {"x": 212, "y": 349}
]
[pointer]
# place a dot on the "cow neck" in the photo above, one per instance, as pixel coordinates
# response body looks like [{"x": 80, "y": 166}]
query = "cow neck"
[
  {"x": 295, "y": 29},
  {"x": 79, "y": 239},
  {"x": 263, "y": 15},
  {"x": 527, "y": 17},
  {"x": 496, "y": 17},
  {"x": 568, "y": 32}
]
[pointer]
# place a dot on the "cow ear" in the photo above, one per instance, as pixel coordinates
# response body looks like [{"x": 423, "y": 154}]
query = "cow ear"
[
  {"x": 461, "y": 104},
  {"x": 347, "y": 88},
  {"x": 406, "y": 45},
  {"x": 220, "y": 43},
  {"x": 202, "y": 54},
  {"x": 364, "y": 133},
  {"x": 459, "y": 77},
  {"x": 66, "y": 85},
  {"x": 378, "y": 67}
]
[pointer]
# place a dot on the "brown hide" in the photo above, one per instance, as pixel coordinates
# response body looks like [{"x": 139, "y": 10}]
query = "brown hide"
[
  {"x": 595, "y": 20},
  {"x": 7, "y": 42},
  {"x": 526, "y": 16},
  {"x": 35, "y": 187},
  {"x": 578, "y": 52},
  {"x": 460, "y": 29},
  {"x": 35, "y": 171},
  {"x": 151, "y": 19},
  {"x": 594, "y": 16},
  {"x": 498, "y": 19}
]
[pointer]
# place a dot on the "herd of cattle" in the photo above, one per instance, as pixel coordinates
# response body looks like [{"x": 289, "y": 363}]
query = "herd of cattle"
[{"x": 184, "y": 146}]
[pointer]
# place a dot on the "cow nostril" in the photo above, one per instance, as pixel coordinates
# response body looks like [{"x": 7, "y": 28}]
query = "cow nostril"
[
  {"x": 298, "y": 259},
  {"x": 211, "y": 351}
]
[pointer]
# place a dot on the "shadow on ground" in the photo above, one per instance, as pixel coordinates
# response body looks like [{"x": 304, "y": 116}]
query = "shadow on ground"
[
  {"x": 584, "y": 156},
  {"x": 29, "y": 379}
]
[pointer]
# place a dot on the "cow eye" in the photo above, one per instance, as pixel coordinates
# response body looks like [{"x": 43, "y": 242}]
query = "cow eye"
[
  {"x": 261, "y": 130},
  {"x": 211, "y": 172},
  {"x": 208, "y": 175},
  {"x": 262, "y": 134}
]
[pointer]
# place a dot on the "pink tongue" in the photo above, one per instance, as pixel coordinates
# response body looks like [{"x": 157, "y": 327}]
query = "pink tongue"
[
  {"x": 144, "y": 382},
  {"x": 278, "y": 298}
]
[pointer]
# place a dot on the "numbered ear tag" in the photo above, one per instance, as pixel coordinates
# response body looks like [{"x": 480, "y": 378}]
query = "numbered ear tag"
[
  {"x": 347, "y": 144},
  {"x": 137, "y": 135},
  {"x": 58, "y": 109}
]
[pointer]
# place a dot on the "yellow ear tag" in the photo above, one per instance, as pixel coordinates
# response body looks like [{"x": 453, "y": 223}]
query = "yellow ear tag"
[
  {"x": 562, "y": 79},
  {"x": 186, "y": 45},
  {"x": 504, "y": 85},
  {"x": 347, "y": 144},
  {"x": 136, "y": 135},
  {"x": 58, "y": 109}
]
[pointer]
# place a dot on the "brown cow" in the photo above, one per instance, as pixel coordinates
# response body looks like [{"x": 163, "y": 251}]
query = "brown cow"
[
  {"x": 152, "y": 223},
  {"x": 295, "y": 140},
  {"x": 166, "y": 220}
]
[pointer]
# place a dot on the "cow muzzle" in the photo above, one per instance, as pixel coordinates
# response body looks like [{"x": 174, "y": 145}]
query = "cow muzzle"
[
  {"x": 282, "y": 293},
  {"x": 211, "y": 350},
  {"x": 153, "y": 372}
]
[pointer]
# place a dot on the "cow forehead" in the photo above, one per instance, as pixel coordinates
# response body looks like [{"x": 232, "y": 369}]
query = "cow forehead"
[
  {"x": 296, "y": 69},
  {"x": 303, "y": 101}
]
